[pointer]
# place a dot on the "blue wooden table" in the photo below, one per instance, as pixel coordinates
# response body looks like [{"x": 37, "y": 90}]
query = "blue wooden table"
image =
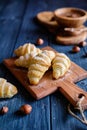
[{"x": 17, "y": 26}]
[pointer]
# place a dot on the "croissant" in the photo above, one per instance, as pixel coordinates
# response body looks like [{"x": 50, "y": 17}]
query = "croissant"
[
  {"x": 7, "y": 90},
  {"x": 24, "y": 61},
  {"x": 26, "y": 48},
  {"x": 39, "y": 65},
  {"x": 60, "y": 65}
]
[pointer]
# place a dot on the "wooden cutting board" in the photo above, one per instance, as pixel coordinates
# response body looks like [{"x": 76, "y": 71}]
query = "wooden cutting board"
[{"x": 48, "y": 85}]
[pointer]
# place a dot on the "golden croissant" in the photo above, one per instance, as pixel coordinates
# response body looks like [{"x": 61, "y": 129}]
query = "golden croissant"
[
  {"x": 60, "y": 65},
  {"x": 24, "y": 61},
  {"x": 7, "y": 90},
  {"x": 26, "y": 49},
  {"x": 39, "y": 65}
]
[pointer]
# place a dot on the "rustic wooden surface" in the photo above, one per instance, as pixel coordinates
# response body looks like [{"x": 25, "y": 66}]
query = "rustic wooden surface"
[
  {"x": 48, "y": 85},
  {"x": 17, "y": 26}
]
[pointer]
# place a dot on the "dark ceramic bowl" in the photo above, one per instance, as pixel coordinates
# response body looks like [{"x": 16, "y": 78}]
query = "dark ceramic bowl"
[{"x": 70, "y": 17}]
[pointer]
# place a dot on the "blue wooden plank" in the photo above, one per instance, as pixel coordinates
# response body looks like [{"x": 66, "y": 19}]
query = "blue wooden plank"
[
  {"x": 29, "y": 32},
  {"x": 61, "y": 120},
  {"x": 10, "y": 23},
  {"x": 9, "y": 26},
  {"x": 11, "y": 9},
  {"x": 17, "y": 26},
  {"x": 8, "y": 32}
]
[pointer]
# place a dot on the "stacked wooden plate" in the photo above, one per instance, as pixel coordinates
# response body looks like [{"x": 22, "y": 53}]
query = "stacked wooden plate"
[{"x": 66, "y": 23}]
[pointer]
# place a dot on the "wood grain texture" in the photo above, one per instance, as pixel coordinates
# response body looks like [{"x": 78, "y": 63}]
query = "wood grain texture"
[
  {"x": 19, "y": 26},
  {"x": 48, "y": 85}
]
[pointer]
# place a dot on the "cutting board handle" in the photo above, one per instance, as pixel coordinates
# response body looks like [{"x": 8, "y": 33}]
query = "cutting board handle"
[{"x": 73, "y": 93}]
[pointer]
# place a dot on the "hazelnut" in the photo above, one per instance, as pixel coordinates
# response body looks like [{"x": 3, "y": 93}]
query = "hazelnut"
[
  {"x": 39, "y": 41},
  {"x": 4, "y": 110},
  {"x": 83, "y": 43},
  {"x": 25, "y": 109},
  {"x": 76, "y": 49}
]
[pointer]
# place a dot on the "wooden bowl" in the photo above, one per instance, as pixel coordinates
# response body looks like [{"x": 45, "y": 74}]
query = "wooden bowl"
[{"x": 70, "y": 17}]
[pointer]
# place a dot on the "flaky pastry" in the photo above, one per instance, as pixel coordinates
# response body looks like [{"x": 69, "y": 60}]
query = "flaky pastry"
[
  {"x": 60, "y": 65},
  {"x": 39, "y": 65},
  {"x": 27, "y": 48},
  {"x": 7, "y": 90}
]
